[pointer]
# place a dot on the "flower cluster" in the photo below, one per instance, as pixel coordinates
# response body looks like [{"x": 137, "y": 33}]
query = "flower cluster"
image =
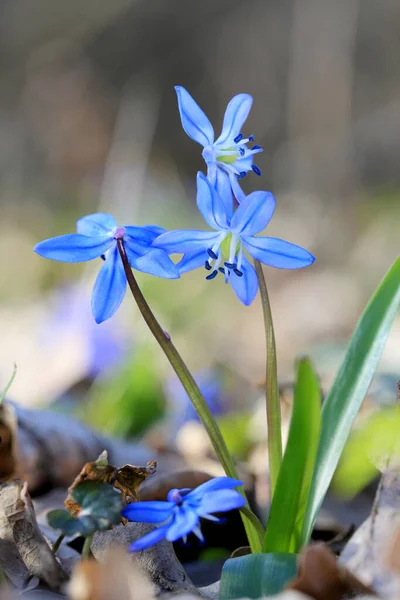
[
  {"x": 234, "y": 218},
  {"x": 180, "y": 514}
]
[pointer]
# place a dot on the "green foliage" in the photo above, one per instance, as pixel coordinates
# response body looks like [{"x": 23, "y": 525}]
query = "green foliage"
[
  {"x": 351, "y": 385},
  {"x": 256, "y": 575},
  {"x": 9, "y": 384},
  {"x": 285, "y": 522},
  {"x": 369, "y": 447},
  {"x": 234, "y": 429},
  {"x": 128, "y": 402},
  {"x": 101, "y": 507}
]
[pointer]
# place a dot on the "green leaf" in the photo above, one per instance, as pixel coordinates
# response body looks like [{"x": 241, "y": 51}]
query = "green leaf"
[
  {"x": 101, "y": 507},
  {"x": 256, "y": 575},
  {"x": 367, "y": 451},
  {"x": 285, "y": 521},
  {"x": 350, "y": 387}
]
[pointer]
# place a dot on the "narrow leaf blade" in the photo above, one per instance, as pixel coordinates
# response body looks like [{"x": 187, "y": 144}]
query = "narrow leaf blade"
[
  {"x": 256, "y": 575},
  {"x": 351, "y": 385},
  {"x": 289, "y": 503}
]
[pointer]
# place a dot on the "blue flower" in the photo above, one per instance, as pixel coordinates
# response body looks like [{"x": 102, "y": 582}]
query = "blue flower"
[
  {"x": 221, "y": 250},
  {"x": 180, "y": 514},
  {"x": 96, "y": 237},
  {"x": 228, "y": 158}
]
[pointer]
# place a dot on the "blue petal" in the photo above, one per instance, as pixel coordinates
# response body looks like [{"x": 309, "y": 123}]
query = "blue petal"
[
  {"x": 153, "y": 261},
  {"x": 146, "y": 234},
  {"x": 109, "y": 288},
  {"x": 236, "y": 189},
  {"x": 224, "y": 189},
  {"x": 220, "y": 501},
  {"x": 277, "y": 253},
  {"x": 185, "y": 520},
  {"x": 210, "y": 204},
  {"x": 245, "y": 287},
  {"x": 216, "y": 483},
  {"x": 244, "y": 164},
  {"x": 192, "y": 261},
  {"x": 96, "y": 224},
  {"x": 154, "y": 511},
  {"x": 194, "y": 121},
  {"x": 186, "y": 240},
  {"x": 254, "y": 213},
  {"x": 235, "y": 115},
  {"x": 74, "y": 247},
  {"x": 148, "y": 540}
]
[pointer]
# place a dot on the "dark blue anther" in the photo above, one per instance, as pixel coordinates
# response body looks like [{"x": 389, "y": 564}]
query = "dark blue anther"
[
  {"x": 251, "y": 138},
  {"x": 256, "y": 147},
  {"x": 212, "y": 275},
  {"x": 256, "y": 169},
  {"x": 241, "y": 151},
  {"x": 221, "y": 270},
  {"x": 241, "y": 175},
  {"x": 103, "y": 257},
  {"x": 211, "y": 254},
  {"x": 230, "y": 265},
  {"x": 238, "y": 138},
  {"x": 238, "y": 273},
  {"x": 207, "y": 265}
]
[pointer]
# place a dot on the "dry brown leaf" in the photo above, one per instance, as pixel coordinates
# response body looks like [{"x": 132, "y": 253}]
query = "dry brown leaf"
[
  {"x": 127, "y": 479},
  {"x": 18, "y": 525},
  {"x": 369, "y": 553},
  {"x": 321, "y": 577}
]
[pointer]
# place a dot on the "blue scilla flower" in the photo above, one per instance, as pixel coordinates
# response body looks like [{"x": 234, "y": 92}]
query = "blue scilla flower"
[
  {"x": 221, "y": 250},
  {"x": 96, "y": 237},
  {"x": 228, "y": 158},
  {"x": 180, "y": 514}
]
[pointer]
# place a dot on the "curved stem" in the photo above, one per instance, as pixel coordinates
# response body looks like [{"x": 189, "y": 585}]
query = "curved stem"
[
  {"x": 191, "y": 388},
  {"x": 57, "y": 543},
  {"x": 86, "y": 546},
  {"x": 271, "y": 387}
]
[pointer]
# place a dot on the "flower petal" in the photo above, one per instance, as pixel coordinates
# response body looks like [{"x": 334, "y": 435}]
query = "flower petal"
[
  {"x": 245, "y": 287},
  {"x": 153, "y": 511},
  {"x": 277, "y": 253},
  {"x": 186, "y": 240},
  {"x": 74, "y": 247},
  {"x": 220, "y": 501},
  {"x": 145, "y": 234},
  {"x": 109, "y": 288},
  {"x": 224, "y": 189},
  {"x": 152, "y": 538},
  {"x": 96, "y": 224},
  {"x": 216, "y": 483},
  {"x": 192, "y": 261},
  {"x": 155, "y": 262},
  {"x": 184, "y": 521},
  {"x": 194, "y": 121},
  {"x": 254, "y": 213},
  {"x": 210, "y": 204},
  {"x": 235, "y": 115}
]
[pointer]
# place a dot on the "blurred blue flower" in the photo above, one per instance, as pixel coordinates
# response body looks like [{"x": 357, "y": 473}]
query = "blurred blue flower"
[
  {"x": 181, "y": 409},
  {"x": 221, "y": 250},
  {"x": 180, "y": 514},
  {"x": 96, "y": 237},
  {"x": 105, "y": 346},
  {"x": 228, "y": 158}
]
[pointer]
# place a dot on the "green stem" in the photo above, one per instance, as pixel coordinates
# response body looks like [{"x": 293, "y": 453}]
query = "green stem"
[
  {"x": 86, "y": 546},
  {"x": 272, "y": 391},
  {"x": 57, "y": 543},
  {"x": 191, "y": 388}
]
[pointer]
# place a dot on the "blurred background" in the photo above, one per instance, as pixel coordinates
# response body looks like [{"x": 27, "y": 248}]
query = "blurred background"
[{"x": 89, "y": 122}]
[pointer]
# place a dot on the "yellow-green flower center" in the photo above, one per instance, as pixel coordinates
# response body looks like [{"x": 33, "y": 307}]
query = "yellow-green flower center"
[{"x": 228, "y": 159}]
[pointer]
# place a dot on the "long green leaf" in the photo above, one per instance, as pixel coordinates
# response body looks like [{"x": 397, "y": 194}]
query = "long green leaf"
[
  {"x": 289, "y": 502},
  {"x": 351, "y": 385},
  {"x": 256, "y": 575}
]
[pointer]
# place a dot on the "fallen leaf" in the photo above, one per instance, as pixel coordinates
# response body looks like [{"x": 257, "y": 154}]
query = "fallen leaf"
[{"x": 322, "y": 578}]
